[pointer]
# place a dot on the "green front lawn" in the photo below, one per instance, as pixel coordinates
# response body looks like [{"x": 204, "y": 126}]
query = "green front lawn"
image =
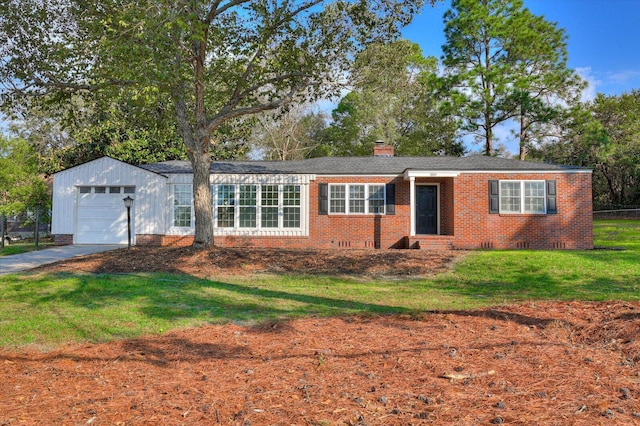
[{"x": 51, "y": 309}]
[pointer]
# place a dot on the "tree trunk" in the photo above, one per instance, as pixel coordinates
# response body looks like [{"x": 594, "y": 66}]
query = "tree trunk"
[
  {"x": 523, "y": 134},
  {"x": 489, "y": 136},
  {"x": 203, "y": 209}
]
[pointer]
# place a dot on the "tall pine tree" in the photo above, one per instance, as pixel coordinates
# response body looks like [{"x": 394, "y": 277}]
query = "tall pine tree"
[{"x": 503, "y": 63}]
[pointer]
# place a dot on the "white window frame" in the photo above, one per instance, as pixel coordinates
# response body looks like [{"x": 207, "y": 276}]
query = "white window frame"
[
  {"x": 280, "y": 205},
  {"x": 215, "y": 193},
  {"x": 248, "y": 204},
  {"x": 174, "y": 205},
  {"x": 262, "y": 207},
  {"x": 367, "y": 198},
  {"x": 523, "y": 197}
]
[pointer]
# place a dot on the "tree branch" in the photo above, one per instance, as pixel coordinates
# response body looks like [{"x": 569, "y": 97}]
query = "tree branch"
[{"x": 228, "y": 112}]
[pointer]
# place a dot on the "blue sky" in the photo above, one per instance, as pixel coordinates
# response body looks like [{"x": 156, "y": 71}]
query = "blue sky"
[
  {"x": 603, "y": 43},
  {"x": 603, "y": 38}
]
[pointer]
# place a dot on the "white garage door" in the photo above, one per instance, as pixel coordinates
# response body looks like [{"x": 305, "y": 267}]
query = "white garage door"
[{"x": 102, "y": 217}]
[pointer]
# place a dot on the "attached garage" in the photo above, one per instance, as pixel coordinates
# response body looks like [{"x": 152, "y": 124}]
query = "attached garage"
[
  {"x": 88, "y": 205},
  {"x": 101, "y": 216}
]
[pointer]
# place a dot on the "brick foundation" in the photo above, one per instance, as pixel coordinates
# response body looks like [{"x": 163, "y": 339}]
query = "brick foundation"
[{"x": 63, "y": 239}]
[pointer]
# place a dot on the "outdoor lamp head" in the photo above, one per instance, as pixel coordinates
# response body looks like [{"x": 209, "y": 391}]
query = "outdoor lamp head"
[{"x": 128, "y": 202}]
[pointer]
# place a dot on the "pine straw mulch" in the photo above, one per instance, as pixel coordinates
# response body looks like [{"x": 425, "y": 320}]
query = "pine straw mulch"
[
  {"x": 552, "y": 363},
  {"x": 234, "y": 261}
]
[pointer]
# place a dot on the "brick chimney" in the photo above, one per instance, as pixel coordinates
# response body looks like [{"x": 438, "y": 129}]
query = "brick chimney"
[{"x": 380, "y": 149}]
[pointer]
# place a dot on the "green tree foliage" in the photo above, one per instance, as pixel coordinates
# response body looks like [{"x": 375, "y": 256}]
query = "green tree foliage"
[
  {"x": 122, "y": 129},
  {"x": 392, "y": 101},
  {"x": 504, "y": 63},
  {"x": 21, "y": 188},
  {"x": 604, "y": 135},
  {"x": 215, "y": 61}
]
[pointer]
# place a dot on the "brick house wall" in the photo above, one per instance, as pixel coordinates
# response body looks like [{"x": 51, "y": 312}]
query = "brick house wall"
[
  {"x": 570, "y": 228},
  {"x": 464, "y": 216},
  {"x": 360, "y": 230}
]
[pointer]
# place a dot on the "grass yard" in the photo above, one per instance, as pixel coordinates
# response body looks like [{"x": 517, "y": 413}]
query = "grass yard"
[
  {"x": 49, "y": 309},
  {"x": 24, "y": 247}
]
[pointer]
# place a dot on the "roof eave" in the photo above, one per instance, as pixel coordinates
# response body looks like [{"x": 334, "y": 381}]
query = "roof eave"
[{"x": 419, "y": 173}]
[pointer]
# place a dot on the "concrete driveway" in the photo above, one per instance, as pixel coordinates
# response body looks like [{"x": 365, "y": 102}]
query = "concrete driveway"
[{"x": 32, "y": 259}]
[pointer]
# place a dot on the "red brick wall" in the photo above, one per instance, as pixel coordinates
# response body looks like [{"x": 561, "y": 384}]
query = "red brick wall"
[
  {"x": 164, "y": 240},
  {"x": 570, "y": 228},
  {"x": 63, "y": 239},
  {"x": 464, "y": 214},
  {"x": 360, "y": 231}
]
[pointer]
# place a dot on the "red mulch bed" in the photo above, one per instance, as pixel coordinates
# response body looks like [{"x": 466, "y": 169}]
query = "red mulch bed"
[{"x": 552, "y": 363}]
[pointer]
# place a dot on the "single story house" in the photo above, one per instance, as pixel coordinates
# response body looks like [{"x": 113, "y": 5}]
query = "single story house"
[{"x": 377, "y": 202}]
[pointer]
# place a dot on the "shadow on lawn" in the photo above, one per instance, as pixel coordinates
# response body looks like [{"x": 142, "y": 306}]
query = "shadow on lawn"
[{"x": 171, "y": 298}]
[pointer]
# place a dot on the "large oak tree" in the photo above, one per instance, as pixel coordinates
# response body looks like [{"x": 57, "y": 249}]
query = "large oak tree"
[{"x": 216, "y": 60}]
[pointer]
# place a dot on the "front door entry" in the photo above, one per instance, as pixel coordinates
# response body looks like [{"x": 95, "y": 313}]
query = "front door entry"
[{"x": 426, "y": 209}]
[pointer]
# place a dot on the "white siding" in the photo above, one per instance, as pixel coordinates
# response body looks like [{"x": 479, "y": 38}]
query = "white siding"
[{"x": 150, "y": 206}]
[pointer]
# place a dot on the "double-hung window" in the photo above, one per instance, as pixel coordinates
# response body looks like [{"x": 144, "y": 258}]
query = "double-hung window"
[
  {"x": 269, "y": 206},
  {"x": 522, "y": 196},
  {"x": 182, "y": 205},
  {"x": 534, "y": 197},
  {"x": 291, "y": 206},
  {"x": 337, "y": 198},
  {"x": 226, "y": 206},
  {"x": 248, "y": 206},
  {"x": 376, "y": 199},
  {"x": 356, "y": 199}
]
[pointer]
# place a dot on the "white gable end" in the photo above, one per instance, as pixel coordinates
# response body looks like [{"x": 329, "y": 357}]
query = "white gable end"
[{"x": 87, "y": 201}]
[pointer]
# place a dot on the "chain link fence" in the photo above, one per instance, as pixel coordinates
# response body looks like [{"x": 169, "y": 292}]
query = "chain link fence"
[{"x": 616, "y": 212}]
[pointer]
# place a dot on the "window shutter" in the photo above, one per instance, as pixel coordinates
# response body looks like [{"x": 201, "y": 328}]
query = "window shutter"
[
  {"x": 390, "y": 207},
  {"x": 323, "y": 198},
  {"x": 494, "y": 196},
  {"x": 552, "y": 205}
]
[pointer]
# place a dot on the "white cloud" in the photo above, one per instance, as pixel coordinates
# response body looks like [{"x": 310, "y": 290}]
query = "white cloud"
[
  {"x": 590, "y": 92},
  {"x": 623, "y": 77}
]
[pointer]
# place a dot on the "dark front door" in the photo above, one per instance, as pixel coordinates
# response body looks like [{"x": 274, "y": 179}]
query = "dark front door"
[{"x": 426, "y": 209}]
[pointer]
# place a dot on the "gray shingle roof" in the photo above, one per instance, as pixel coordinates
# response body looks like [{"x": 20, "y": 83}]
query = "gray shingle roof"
[{"x": 363, "y": 165}]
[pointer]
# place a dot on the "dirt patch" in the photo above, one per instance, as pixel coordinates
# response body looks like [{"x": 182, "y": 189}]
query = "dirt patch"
[
  {"x": 553, "y": 363},
  {"x": 234, "y": 261}
]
